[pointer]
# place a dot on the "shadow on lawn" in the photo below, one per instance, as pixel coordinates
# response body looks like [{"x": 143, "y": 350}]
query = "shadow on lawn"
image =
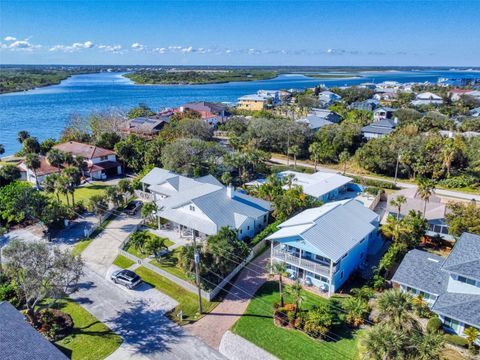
[{"x": 146, "y": 330}]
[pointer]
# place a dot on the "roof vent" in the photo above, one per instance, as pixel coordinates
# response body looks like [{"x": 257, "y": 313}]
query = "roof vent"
[{"x": 434, "y": 260}]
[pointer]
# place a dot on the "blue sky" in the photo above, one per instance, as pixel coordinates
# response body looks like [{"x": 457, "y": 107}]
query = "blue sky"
[{"x": 291, "y": 32}]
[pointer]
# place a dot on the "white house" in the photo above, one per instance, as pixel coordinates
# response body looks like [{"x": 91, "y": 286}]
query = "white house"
[
  {"x": 323, "y": 246},
  {"x": 40, "y": 174},
  {"x": 328, "y": 98},
  {"x": 427, "y": 98},
  {"x": 383, "y": 113},
  {"x": 203, "y": 205},
  {"x": 450, "y": 286},
  {"x": 379, "y": 128}
]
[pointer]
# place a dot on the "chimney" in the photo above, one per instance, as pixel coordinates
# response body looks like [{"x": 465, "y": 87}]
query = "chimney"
[
  {"x": 395, "y": 120},
  {"x": 230, "y": 191}
]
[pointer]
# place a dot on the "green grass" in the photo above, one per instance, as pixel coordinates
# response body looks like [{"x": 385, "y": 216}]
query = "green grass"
[
  {"x": 257, "y": 326},
  {"x": 90, "y": 339},
  {"x": 169, "y": 264},
  {"x": 123, "y": 262},
  {"x": 81, "y": 245},
  {"x": 187, "y": 300},
  {"x": 84, "y": 193}
]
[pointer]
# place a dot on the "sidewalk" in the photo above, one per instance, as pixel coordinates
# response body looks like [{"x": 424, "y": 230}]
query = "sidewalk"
[
  {"x": 442, "y": 192},
  {"x": 213, "y": 326},
  {"x": 103, "y": 250}
]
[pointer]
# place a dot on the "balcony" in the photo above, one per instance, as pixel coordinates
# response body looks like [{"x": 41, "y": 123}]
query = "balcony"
[{"x": 301, "y": 262}]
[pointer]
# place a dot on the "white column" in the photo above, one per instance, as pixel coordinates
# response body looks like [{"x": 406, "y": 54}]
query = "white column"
[
  {"x": 271, "y": 253},
  {"x": 330, "y": 279}
]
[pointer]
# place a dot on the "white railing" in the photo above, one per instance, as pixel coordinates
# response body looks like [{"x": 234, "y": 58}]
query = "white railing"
[
  {"x": 309, "y": 265},
  {"x": 144, "y": 195}
]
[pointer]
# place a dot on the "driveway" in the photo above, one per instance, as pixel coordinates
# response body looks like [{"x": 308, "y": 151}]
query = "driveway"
[
  {"x": 139, "y": 317},
  {"x": 103, "y": 250},
  {"x": 213, "y": 326}
]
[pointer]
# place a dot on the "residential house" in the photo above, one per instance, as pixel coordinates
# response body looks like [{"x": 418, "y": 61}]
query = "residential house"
[
  {"x": 435, "y": 211},
  {"x": 450, "y": 286},
  {"x": 368, "y": 105},
  {"x": 212, "y": 113},
  {"x": 328, "y": 98},
  {"x": 318, "y": 118},
  {"x": 101, "y": 163},
  {"x": 379, "y": 128},
  {"x": 456, "y": 94},
  {"x": 202, "y": 206},
  {"x": 20, "y": 341},
  {"x": 427, "y": 98},
  {"x": 475, "y": 112},
  {"x": 39, "y": 175},
  {"x": 145, "y": 126},
  {"x": 386, "y": 96},
  {"x": 323, "y": 246},
  {"x": 383, "y": 113},
  {"x": 253, "y": 102}
]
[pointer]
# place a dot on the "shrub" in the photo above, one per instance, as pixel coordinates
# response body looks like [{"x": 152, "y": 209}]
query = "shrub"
[
  {"x": 289, "y": 307},
  {"x": 459, "y": 181},
  {"x": 269, "y": 229},
  {"x": 434, "y": 324},
  {"x": 456, "y": 340},
  {"x": 374, "y": 183},
  {"x": 372, "y": 190}
]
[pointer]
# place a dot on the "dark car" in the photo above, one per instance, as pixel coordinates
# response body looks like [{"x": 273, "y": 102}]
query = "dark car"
[
  {"x": 126, "y": 278},
  {"x": 133, "y": 207}
]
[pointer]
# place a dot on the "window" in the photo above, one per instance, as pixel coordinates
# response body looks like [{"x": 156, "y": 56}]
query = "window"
[
  {"x": 465, "y": 280},
  {"x": 453, "y": 324},
  {"x": 265, "y": 218},
  {"x": 103, "y": 158},
  {"x": 341, "y": 275},
  {"x": 248, "y": 227},
  {"x": 192, "y": 208}
]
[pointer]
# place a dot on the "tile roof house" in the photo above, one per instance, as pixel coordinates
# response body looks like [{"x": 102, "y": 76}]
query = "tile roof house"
[
  {"x": 146, "y": 126},
  {"x": 203, "y": 205},
  {"x": 379, "y": 128},
  {"x": 427, "y": 98},
  {"x": 451, "y": 285},
  {"x": 40, "y": 173},
  {"x": 435, "y": 211},
  {"x": 319, "y": 247},
  {"x": 213, "y": 113},
  {"x": 101, "y": 163},
  {"x": 20, "y": 341}
]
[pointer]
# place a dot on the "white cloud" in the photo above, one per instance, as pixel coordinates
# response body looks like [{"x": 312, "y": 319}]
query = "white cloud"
[
  {"x": 74, "y": 47},
  {"x": 138, "y": 47},
  {"x": 21, "y": 45},
  {"x": 111, "y": 48},
  {"x": 9, "y": 38}
]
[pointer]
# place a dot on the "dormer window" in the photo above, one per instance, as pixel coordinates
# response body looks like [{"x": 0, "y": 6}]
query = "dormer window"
[
  {"x": 465, "y": 280},
  {"x": 192, "y": 208}
]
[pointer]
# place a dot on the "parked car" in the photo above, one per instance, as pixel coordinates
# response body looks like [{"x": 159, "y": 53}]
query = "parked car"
[
  {"x": 133, "y": 207},
  {"x": 126, "y": 278}
]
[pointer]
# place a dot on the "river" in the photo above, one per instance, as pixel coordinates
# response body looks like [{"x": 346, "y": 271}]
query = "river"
[{"x": 44, "y": 111}]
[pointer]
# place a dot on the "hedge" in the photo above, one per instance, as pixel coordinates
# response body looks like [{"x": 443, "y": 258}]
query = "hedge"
[
  {"x": 374, "y": 183},
  {"x": 434, "y": 324},
  {"x": 456, "y": 340}
]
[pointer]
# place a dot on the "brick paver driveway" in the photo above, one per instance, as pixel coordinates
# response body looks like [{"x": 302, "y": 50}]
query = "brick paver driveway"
[{"x": 213, "y": 326}]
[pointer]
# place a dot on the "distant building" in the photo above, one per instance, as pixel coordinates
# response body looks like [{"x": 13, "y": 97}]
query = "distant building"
[
  {"x": 319, "y": 118},
  {"x": 475, "y": 112},
  {"x": 427, "y": 98},
  {"x": 379, "y": 128},
  {"x": 383, "y": 113},
  {"x": 202, "y": 206},
  {"x": 456, "y": 94},
  {"x": 328, "y": 98},
  {"x": 386, "y": 96},
  {"x": 212, "y": 113},
  {"x": 450, "y": 286},
  {"x": 368, "y": 105},
  {"x": 253, "y": 102},
  {"x": 323, "y": 246},
  {"x": 145, "y": 126},
  {"x": 20, "y": 341}
]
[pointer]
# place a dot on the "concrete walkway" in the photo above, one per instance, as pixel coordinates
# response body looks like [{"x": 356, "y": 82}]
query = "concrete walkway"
[
  {"x": 441, "y": 192},
  {"x": 235, "y": 347},
  {"x": 213, "y": 326},
  {"x": 103, "y": 250}
]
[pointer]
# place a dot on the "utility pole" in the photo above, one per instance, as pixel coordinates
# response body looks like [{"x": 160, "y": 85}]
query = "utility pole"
[
  {"x": 396, "y": 169},
  {"x": 196, "y": 258}
]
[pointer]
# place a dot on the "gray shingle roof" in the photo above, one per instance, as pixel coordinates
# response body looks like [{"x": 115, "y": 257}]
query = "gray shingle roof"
[
  {"x": 463, "y": 307},
  {"x": 465, "y": 257},
  {"x": 422, "y": 270},
  {"x": 385, "y": 126},
  {"x": 20, "y": 341}
]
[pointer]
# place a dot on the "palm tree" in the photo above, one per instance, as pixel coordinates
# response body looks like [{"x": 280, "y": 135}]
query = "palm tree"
[
  {"x": 280, "y": 269},
  {"x": 356, "y": 310},
  {"x": 32, "y": 161},
  {"x": 56, "y": 158},
  {"x": 395, "y": 307},
  {"x": 125, "y": 187},
  {"x": 425, "y": 190},
  {"x": 315, "y": 149},
  {"x": 296, "y": 292},
  {"x": 63, "y": 187},
  {"x": 149, "y": 210},
  {"x": 2, "y": 149},
  {"x": 113, "y": 195},
  {"x": 343, "y": 158},
  {"x": 398, "y": 202},
  {"x": 49, "y": 185},
  {"x": 98, "y": 204},
  {"x": 394, "y": 229},
  {"x": 472, "y": 335},
  {"x": 429, "y": 345},
  {"x": 22, "y": 135},
  {"x": 382, "y": 342},
  {"x": 73, "y": 174},
  {"x": 295, "y": 151}
]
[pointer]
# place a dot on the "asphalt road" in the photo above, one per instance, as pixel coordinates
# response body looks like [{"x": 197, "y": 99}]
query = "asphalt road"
[{"x": 139, "y": 317}]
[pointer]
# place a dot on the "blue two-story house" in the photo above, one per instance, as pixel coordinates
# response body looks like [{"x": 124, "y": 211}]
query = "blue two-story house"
[
  {"x": 450, "y": 286},
  {"x": 323, "y": 246}
]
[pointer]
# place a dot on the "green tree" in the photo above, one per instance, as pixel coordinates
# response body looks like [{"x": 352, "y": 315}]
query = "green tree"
[
  {"x": 74, "y": 176},
  {"x": 56, "y": 158},
  {"x": 20, "y": 202},
  {"x": 98, "y": 204},
  {"x": 319, "y": 319},
  {"x": 47, "y": 145},
  {"x": 125, "y": 187},
  {"x": 295, "y": 290},
  {"x": 294, "y": 150},
  {"x": 142, "y": 110},
  {"x": 383, "y": 342},
  {"x": 315, "y": 150},
  {"x": 30, "y": 145},
  {"x": 50, "y": 185},
  {"x": 279, "y": 269},
  {"x": 425, "y": 189},
  {"x": 356, "y": 310},
  {"x": 155, "y": 245},
  {"x": 394, "y": 307},
  {"x": 22, "y": 136},
  {"x": 113, "y": 195},
  {"x": 463, "y": 218},
  {"x": 398, "y": 202},
  {"x": 2, "y": 149},
  {"x": 108, "y": 140},
  {"x": 395, "y": 229},
  {"x": 8, "y": 174},
  {"x": 343, "y": 159},
  {"x": 149, "y": 210},
  {"x": 32, "y": 162},
  {"x": 471, "y": 334}
]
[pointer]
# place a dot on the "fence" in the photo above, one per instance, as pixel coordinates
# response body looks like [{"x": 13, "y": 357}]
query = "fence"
[{"x": 207, "y": 295}]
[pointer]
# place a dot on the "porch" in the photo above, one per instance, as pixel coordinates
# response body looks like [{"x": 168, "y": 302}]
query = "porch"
[{"x": 177, "y": 232}]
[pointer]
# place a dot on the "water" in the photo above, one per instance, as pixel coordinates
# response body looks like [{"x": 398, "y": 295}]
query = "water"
[{"x": 44, "y": 112}]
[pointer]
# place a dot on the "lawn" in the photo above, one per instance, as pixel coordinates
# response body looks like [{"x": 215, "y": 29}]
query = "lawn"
[
  {"x": 187, "y": 300},
  {"x": 169, "y": 263},
  {"x": 90, "y": 339},
  {"x": 257, "y": 326},
  {"x": 84, "y": 193},
  {"x": 81, "y": 245},
  {"x": 123, "y": 262},
  {"x": 135, "y": 252}
]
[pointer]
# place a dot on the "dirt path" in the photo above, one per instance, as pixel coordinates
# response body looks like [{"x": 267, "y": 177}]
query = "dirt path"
[{"x": 213, "y": 326}]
